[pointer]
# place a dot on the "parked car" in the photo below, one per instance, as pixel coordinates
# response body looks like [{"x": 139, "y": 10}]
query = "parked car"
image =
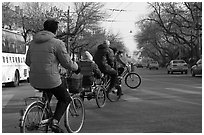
[
  {"x": 197, "y": 68},
  {"x": 153, "y": 64},
  {"x": 177, "y": 66},
  {"x": 139, "y": 65}
]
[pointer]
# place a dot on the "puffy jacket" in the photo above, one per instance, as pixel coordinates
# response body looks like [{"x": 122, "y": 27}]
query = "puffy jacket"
[
  {"x": 44, "y": 55},
  {"x": 104, "y": 58},
  {"x": 89, "y": 70}
]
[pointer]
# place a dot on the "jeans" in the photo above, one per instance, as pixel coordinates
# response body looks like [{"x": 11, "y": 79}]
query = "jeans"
[{"x": 63, "y": 98}]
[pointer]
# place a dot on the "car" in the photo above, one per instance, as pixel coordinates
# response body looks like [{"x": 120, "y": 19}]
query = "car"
[
  {"x": 197, "y": 68},
  {"x": 139, "y": 65},
  {"x": 153, "y": 64},
  {"x": 177, "y": 66}
]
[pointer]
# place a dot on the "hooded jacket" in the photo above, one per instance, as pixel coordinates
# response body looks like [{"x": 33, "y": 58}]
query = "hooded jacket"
[
  {"x": 104, "y": 58},
  {"x": 89, "y": 69},
  {"x": 44, "y": 55}
]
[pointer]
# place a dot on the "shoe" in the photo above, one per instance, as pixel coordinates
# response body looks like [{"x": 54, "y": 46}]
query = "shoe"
[
  {"x": 55, "y": 127},
  {"x": 46, "y": 121},
  {"x": 90, "y": 96},
  {"x": 115, "y": 91}
]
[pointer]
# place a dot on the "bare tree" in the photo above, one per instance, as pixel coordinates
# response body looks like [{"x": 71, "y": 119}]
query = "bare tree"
[{"x": 179, "y": 26}]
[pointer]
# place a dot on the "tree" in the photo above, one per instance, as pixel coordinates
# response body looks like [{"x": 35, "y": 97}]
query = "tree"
[
  {"x": 178, "y": 29},
  {"x": 7, "y": 14},
  {"x": 82, "y": 22}
]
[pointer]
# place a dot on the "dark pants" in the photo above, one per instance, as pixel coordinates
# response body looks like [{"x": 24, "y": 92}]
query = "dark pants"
[
  {"x": 113, "y": 74},
  {"x": 120, "y": 71},
  {"x": 63, "y": 98}
]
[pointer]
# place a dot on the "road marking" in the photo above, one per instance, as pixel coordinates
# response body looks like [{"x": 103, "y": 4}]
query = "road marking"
[
  {"x": 184, "y": 91},
  {"x": 173, "y": 83},
  {"x": 6, "y": 99},
  {"x": 176, "y": 98},
  {"x": 189, "y": 102},
  {"x": 130, "y": 98},
  {"x": 198, "y": 87}
]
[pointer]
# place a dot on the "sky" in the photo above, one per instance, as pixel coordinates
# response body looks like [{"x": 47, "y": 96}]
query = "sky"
[{"x": 125, "y": 20}]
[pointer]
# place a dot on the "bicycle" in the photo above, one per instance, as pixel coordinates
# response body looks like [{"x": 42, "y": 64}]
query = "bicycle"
[
  {"x": 115, "y": 93},
  {"x": 132, "y": 79},
  {"x": 95, "y": 91},
  {"x": 37, "y": 115}
]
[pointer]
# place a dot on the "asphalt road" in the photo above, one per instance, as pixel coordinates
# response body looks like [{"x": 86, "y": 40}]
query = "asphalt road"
[{"x": 164, "y": 103}]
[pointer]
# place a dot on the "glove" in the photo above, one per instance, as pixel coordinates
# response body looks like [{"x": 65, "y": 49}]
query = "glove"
[{"x": 77, "y": 71}]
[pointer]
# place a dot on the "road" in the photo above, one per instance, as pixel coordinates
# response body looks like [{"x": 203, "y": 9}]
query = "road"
[{"x": 164, "y": 103}]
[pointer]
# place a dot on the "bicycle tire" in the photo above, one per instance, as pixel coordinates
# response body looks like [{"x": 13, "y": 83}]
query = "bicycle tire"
[
  {"x": 132, "y": 80},
  {"x": 35, "y": 108},
  {"x": 100, "y": 96},
  {"x": 74, "y": 118},
  {"x": 115, "y": 93}
]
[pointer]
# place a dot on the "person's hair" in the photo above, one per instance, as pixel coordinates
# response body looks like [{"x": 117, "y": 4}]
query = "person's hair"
[
  {"x": 114, "y": 49},
  {"x": 120, "y": 52},
  {"x": 51, "y": 25},
  {"x": 107, "y": 42}
]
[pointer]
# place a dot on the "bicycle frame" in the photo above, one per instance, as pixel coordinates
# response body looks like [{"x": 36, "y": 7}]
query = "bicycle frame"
[
  {"x": 125, "y": 72},
  {"x": 43, "y": 103},
  {"x": 40, "y": 100}
]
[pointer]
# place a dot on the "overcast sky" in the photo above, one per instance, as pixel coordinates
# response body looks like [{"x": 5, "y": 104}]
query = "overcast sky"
[{"x": 125, "y": 20}]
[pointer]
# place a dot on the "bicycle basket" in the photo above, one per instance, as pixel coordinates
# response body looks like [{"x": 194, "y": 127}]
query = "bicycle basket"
[{"x": 75, "y": 83}]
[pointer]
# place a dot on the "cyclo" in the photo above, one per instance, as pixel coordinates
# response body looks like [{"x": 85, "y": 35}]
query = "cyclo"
[{"x": 90, "y": 89}]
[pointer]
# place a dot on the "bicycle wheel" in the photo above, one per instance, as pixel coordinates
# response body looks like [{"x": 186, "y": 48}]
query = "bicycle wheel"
[
  {"x": 115, "y": 93},
  {"x": 32, "y": 117},
  {"x": 100, "y": 96},
  {"x": 132, "y": 80},
  {"x": 74, "y": 115}
]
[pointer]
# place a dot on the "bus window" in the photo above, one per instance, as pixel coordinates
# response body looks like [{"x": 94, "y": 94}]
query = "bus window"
[
  {"x": 16, "y": 59},
  {"x": 3, "y": 59},
  {"x": 6, "y": 59}
]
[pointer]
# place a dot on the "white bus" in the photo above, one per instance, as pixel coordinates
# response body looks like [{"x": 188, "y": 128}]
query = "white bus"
[{"x": 14, "y": 49}]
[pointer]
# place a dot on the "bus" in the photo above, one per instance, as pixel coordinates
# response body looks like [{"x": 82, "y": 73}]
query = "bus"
[{"x": 14, "y": 50}]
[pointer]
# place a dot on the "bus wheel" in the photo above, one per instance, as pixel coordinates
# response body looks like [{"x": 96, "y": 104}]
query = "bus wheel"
[{"x": 16, "y": 79}]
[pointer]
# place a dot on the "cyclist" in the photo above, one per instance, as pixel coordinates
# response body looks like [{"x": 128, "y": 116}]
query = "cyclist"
[
  {"x": 89, "y": 70},
  {"x": 121, "y": 62},
  {"x": 44, "y": 55},
  {"x": 104, "y": 58}
]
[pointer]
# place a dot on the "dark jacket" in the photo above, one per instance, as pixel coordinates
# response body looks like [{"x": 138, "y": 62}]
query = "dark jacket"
[
  {"x": 104, "y": 58},
  {"x": 89, "y": 70},
  {"x": 44, "y": 55}
]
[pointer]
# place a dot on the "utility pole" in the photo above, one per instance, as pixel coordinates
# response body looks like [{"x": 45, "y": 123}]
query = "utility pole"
[{"x": 68, "y": 32}]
